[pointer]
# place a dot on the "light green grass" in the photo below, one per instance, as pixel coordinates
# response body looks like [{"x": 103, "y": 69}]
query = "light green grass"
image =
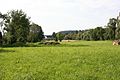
[{"x": 80, "y": 60}]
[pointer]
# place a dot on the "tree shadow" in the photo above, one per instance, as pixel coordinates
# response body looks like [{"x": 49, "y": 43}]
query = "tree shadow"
[
  {"x": 59, "y": 45},
  {"x": 45, "y": 45},
  {"x": 6, "y": 51}
]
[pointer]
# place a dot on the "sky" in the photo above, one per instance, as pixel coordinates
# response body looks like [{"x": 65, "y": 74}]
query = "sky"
[{"x": 60, "y": 15}]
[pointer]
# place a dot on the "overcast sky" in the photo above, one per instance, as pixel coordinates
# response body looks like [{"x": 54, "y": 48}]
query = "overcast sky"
[{"x": 59, "y": 15}]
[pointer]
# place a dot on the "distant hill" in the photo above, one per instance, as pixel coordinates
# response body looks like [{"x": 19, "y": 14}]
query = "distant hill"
[{"x": 69, "y": 32}]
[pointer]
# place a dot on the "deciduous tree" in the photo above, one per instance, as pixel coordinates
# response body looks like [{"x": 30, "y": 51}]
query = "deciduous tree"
[{"x": 17, "y": 26}]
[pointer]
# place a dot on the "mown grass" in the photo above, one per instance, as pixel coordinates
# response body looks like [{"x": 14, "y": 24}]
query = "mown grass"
[{"x": 80, "y": 60}]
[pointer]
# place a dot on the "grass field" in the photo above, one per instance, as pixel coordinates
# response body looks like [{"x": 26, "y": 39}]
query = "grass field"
[{"x": 80, "y": 60}]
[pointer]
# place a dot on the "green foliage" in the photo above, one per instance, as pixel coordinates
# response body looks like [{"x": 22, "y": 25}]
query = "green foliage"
[
  {"x": 18, "y": 30},
  {"x": 118, "y": 29},
  {"x": 118, "y": 33},
  {"x": 112, "y": 27},
  {"x": 71, "y": 36},
  {"x": 89, "y": 60},
  {"x": 54, "y": 36},
  {"x": 90, "y": 34},
  {"x": 99, "y": 33},
  {"x": 36, "y": 33},
  {"x": 85, "y": 35},
  {"x": 109, "y": 32},
  {"x": 17, "y": 27},
  {"x": 0, "y": 38},
  {"x": 60, "y": 36}
]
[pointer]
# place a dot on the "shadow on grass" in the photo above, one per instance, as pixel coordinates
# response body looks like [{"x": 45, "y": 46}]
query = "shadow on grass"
[
  {"x": 6, "y": 51},
  {"x": 48, "y": 45}
]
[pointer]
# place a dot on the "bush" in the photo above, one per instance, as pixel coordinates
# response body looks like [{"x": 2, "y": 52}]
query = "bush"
[{"x": 19, "y": 44}]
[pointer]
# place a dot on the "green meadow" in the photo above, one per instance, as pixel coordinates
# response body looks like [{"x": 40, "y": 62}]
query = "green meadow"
[{"x": 77, "y": 60}]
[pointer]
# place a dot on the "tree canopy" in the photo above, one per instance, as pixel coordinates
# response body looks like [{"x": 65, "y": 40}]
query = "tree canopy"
[
  {"x": 17, "y": 28},
  {"x": 36, "y": 33}
]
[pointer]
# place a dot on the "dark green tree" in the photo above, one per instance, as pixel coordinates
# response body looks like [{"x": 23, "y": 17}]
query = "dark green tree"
[
  {"x": 106, "y": 34},
  {"x": 0, "y": 38},
  {"x": 2, "y": 18},
  {"x": 71, "y": 36},
  {"x": 60, "y": 36},
  {"x": 17, "y": 26},
  {"x": 118, "y": 28},
  {"x": 99, "y": 33},
  {"x": 112, "y": 28},
  {"x": 36, "y": 33},
  {"x": 85, "y": 35},
  {"x": 1, "y": 28},
  {"x": 54, "y": 36}
]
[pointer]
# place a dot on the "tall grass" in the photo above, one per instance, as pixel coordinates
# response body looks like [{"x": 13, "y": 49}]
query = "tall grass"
[{"x": 80, "y": 60}]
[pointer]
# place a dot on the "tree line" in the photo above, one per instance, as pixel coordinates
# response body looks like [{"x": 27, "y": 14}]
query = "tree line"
[
  {"x": 109, "y": 32},
  {"x": 16, "y": 27}
]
